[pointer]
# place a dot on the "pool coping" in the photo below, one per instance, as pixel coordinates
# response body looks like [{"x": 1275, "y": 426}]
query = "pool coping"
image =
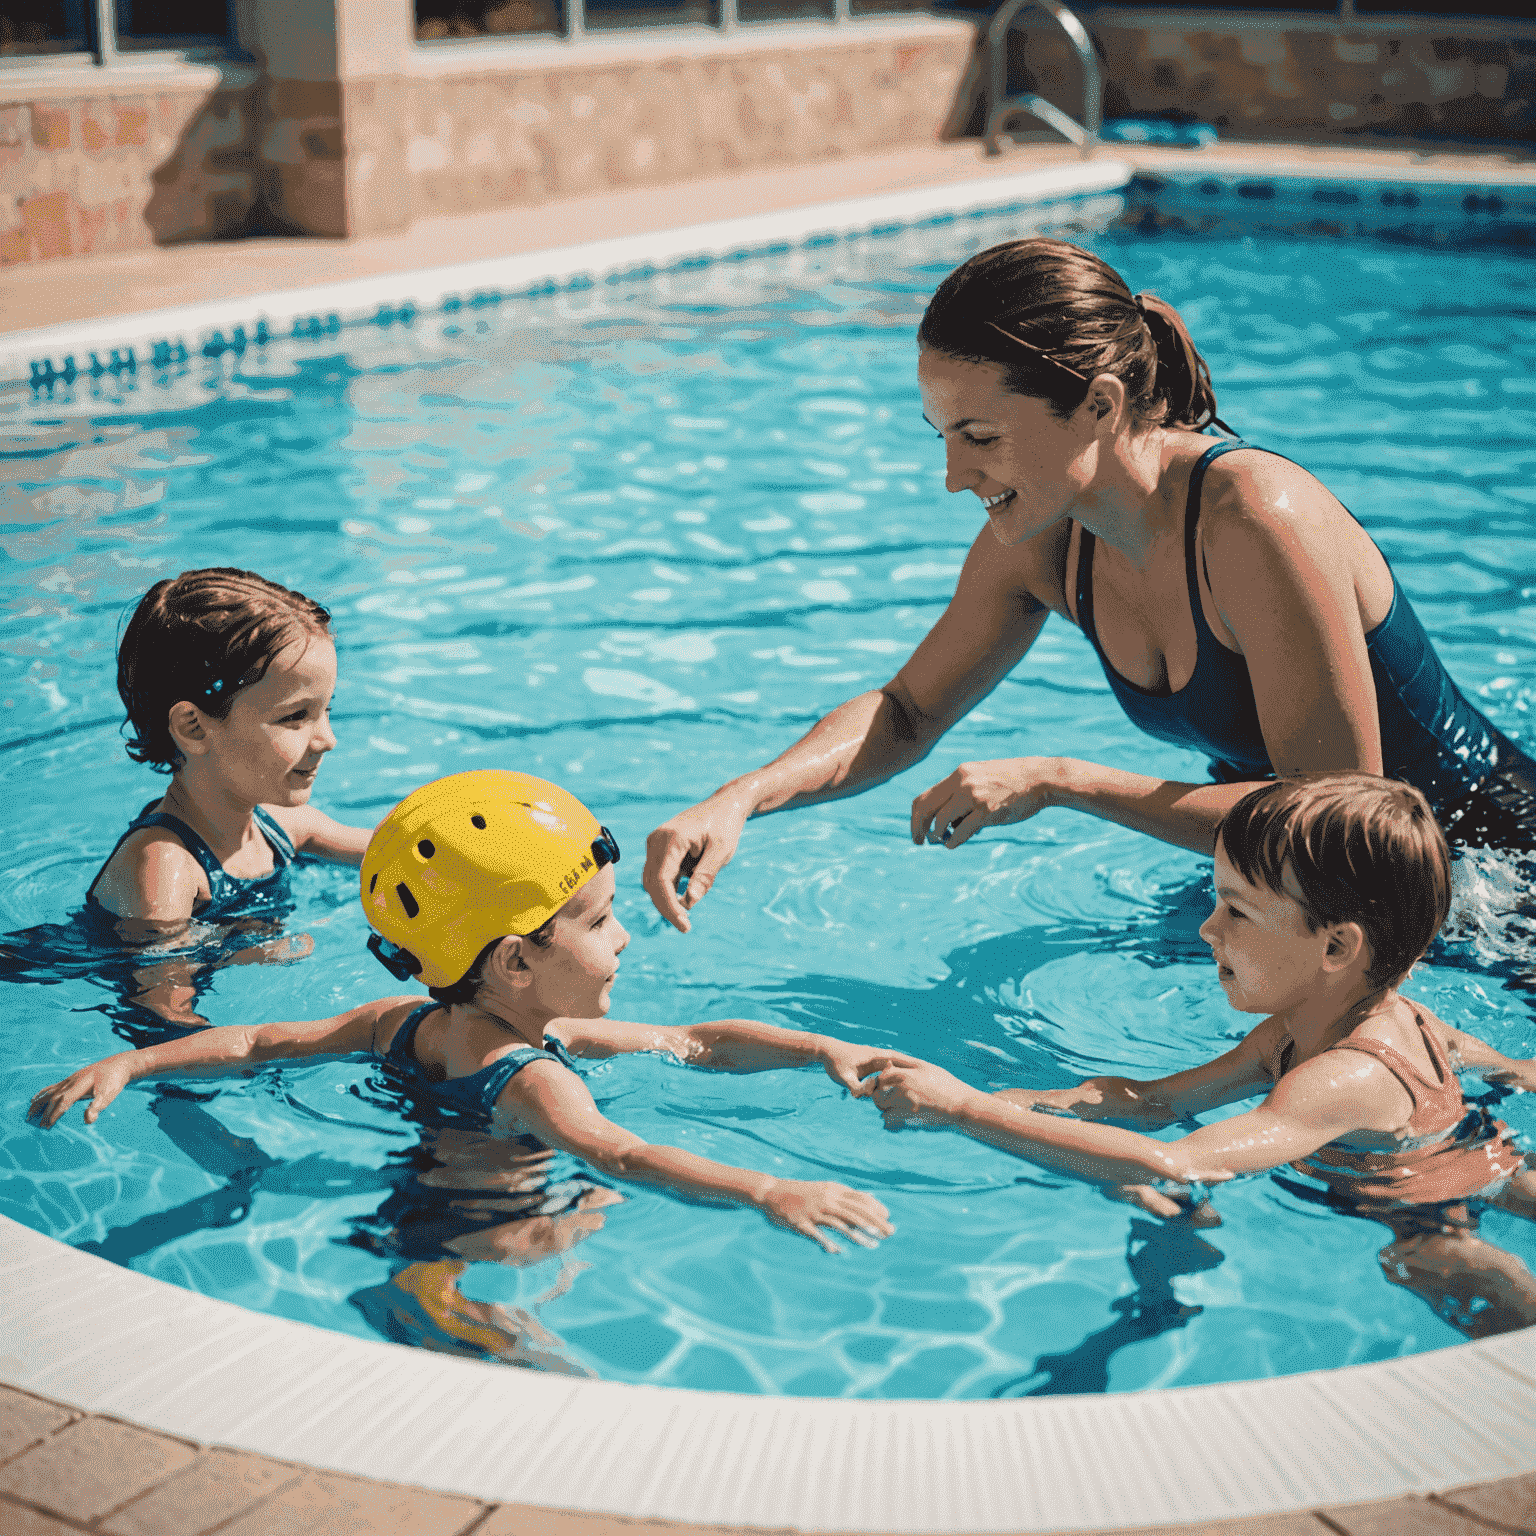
[
  {"x": 211, "y": 1372},
  {"x": 166, "y": 337}
]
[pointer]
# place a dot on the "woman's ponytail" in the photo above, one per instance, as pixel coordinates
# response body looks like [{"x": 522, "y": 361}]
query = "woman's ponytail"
[
  {"x": 1054, "y": 316},
  {"x": 1181, "y": 379}
]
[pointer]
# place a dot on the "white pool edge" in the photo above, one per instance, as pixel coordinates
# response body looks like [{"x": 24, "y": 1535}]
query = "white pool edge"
[
  {"x": 109, "y": 1340},
  {"x": 192, "y": 326}
]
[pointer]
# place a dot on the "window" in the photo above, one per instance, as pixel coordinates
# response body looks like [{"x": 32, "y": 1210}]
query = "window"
[
  {"x": 173, "y": 23},
  {"x": 31, "y": 27},
  {"x": 436, "y": 19}
]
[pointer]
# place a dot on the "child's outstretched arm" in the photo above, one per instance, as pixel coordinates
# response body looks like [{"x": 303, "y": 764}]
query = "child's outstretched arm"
[
  {"x": 1151, "y": 1104},
  {"x": 556, "y": 1106},
  {"x": 1309, "y": 1107},
  {"x": 725, "y": 1045},
  {"x": 211, "y": 1050},
  {"x": 1478, "y": 1056},
  {"x": 321, "y": 836}
]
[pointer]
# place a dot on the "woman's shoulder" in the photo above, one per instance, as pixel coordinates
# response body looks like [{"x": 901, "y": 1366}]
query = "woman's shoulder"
[{"x": 1252, "y": 501}]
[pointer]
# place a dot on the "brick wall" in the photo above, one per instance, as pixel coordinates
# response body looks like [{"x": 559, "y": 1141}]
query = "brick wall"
[
  {"x": 93, "y": 173},
  {"x": 1436, "y": 78},
  {"x": 487, "y": 140}
]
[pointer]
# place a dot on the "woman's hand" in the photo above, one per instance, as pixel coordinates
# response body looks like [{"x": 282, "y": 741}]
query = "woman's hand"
[
  {"x": 697, "y": 844},
  {"x": 101, "y": 1082},
  {"x": 978, "y": 795},
  {"x": 808, "y": 1207},
  {"x": 915, "y": 1092}
]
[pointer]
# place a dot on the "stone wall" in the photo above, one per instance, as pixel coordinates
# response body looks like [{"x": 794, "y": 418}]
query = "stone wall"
[
  {"x": 332, "y": 139},
  {"x": 91, "y": 172},
  {"x": 1298, "y": 77},
  {"x": 492, "y": 139}
]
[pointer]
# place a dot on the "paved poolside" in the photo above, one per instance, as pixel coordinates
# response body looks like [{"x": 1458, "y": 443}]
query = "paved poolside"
[
  {"x": 63, "y": 1469},
  {"x": 57, "y": 292}
]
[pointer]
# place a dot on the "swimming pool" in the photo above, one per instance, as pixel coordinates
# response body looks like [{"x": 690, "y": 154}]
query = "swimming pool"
[{"x": 628, "y": 538}]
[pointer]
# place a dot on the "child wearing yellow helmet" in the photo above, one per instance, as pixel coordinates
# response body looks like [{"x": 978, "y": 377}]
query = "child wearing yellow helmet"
[{"x": 496, "y": 890}]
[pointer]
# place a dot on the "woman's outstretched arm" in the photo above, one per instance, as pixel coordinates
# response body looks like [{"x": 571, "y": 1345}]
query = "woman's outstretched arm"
[{"x": 992, "y": 620}]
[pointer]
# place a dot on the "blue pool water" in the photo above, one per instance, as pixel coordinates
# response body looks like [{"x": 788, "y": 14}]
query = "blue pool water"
[{"x": 635, "y": 539}]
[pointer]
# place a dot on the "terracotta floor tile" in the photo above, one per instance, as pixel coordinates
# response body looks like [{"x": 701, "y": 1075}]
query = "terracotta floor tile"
[
  {"x": 92, "y": 1467},
  {"x": 1304, "y": 1524},
  {"x": 1510, "y": 1503},
  {"x": 221, "y": 1485},
  {"x": 1403, "y": 1517},
  {"x": 352, "y": 1506},
  {"x": 17, "y": 1521},
  {"x": 24, "y": 1420}
]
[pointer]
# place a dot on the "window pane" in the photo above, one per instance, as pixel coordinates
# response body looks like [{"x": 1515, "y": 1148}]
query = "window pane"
[
  {"x": 436, "y": 19},
  {"x": 42, "y": 26},
  {"x": 885, "y": 7},
  {"x": 784, "y": 10},
  {"x": 172, "y": 23},
  {"x": 606, "y": 15}
]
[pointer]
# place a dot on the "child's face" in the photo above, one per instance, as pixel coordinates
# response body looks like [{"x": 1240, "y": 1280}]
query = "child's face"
[
  {"x": 574, "y": 974},
  {"x": 1267, "y": 958},
  {"x": 268, "y": 748}
]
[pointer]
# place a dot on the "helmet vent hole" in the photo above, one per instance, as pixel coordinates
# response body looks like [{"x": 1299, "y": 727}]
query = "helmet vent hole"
[
  {"x": 478, "y": 821},
  {"x": 403, "y": 891},
  {"x": 373, "y": 882},
  {"x": 426, "y": 848}
]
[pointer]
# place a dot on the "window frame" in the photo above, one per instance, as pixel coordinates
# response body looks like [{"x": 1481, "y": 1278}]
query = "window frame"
[{"x": 101, "y": 49}]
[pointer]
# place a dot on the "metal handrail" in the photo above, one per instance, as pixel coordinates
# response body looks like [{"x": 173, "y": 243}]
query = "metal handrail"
[{"x": 1001, "y": 106}]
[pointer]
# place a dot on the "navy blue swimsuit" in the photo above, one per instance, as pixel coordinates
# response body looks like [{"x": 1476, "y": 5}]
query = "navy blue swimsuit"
[
  {"x": 1480, "y": 784},
  {"x": 229, "y": 894},
  {"x": 423, "y": 1219},
  {"x": 471, "y": 1099}
]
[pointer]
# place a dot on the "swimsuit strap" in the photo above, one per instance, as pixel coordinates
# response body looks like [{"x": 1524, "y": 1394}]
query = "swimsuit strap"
[
  {"x": 283, "y": 851},
  {"x": 1428, "y": 1096},
  {"x": 402, "y": 1049},
  {"x": 1203, "y": 632},
  {"x": 475, "y": 1093},
  {"x": 1085, "y": 547}
]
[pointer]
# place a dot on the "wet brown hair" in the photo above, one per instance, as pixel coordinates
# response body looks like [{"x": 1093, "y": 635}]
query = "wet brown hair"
[
  {"x": 467, "y": 988},
  {"x": 202, "y": 637},
  {"x": 1362, "y": 849},
  {"x": 1054, "y": 316}
]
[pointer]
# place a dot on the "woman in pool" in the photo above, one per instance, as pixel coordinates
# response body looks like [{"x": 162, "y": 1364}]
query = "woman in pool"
[
  {"x": 495, "y": 890},
  {"x": 1235, "y": 606}
]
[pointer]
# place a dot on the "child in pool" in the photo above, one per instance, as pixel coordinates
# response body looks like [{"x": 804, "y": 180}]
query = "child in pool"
[
  {"x": 1329, "y": 887},
  {"x": 496, "y": 890},
  {"x": 227, "y": 680}
]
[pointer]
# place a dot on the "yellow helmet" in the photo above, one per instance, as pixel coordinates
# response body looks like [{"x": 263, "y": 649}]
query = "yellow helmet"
[{"x": 471, "y": 858}]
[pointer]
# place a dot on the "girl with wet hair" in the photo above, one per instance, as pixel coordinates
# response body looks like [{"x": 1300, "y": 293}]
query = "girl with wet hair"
[
  {"x": 227, "y": 680},
  {"x": 1235, "y": 605}
]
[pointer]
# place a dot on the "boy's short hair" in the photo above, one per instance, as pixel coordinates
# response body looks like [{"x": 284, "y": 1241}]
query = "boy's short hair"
[
  {"x": 467, "y": 988},
  {"x": 1362, "y": 849}
]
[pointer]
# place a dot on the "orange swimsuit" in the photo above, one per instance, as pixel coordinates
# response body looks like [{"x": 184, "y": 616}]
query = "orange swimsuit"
[{"x": 1433, "y": 1164}]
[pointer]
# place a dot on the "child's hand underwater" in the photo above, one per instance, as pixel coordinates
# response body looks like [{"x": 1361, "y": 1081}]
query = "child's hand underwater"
[
  {"x": 101, "y": 1082},
  {"x": 808, "y": 1207}
]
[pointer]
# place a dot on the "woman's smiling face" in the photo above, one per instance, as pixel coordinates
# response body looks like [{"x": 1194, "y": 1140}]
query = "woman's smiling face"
[{"x": 1025, "y": 465}]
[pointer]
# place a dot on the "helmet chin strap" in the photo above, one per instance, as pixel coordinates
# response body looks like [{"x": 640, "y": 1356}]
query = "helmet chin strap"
[{"x": 400, "y": 963}]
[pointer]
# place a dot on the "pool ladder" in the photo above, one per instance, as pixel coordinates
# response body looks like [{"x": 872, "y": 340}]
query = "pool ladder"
[{"x": 1001, "y": 107}]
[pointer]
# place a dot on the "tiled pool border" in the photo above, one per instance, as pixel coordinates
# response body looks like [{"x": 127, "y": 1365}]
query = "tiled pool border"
[
  {"x": 170, "y": 337},
  {"x": 112, "y": 1342},
  {"x": 82, "y": 1331}
]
